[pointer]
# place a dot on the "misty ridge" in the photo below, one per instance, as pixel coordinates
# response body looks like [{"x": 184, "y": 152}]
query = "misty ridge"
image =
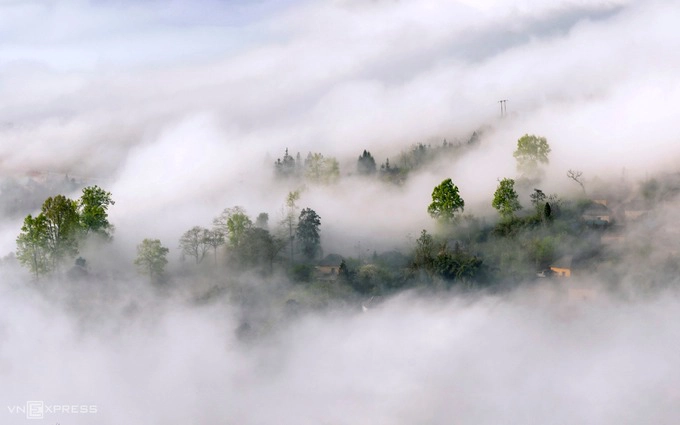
[{"x": 353, "y": 212}]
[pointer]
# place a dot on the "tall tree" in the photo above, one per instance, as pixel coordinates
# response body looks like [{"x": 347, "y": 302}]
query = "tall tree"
[
  {"x": 93, "y": 207},
  {"x": 446, "y": 202},
  {"x": 259, "y": 249},
  {"x": 538, "y": 201},
  {"x": 62, "y": 222},
  {"x": 366, "y": 164},
  {"x": 151, "y": 258},
  {"x": 289, "y": 219},
  {"x": 214, "y": 238},
  {"x": 532, "y": 151},
  {"x": 287, "y": 166},
  {"x": 32, "y": 245},
  {"x": 319, "y": 169},
  {"x": 233, "y": 222},
  {"x": 195, "y": 243},
  {"x": 308, "y": 233},
  {"x": 423, "y": 257},
  {"x": 262, "y": 221},
  {"x": 505, "y": 199}
]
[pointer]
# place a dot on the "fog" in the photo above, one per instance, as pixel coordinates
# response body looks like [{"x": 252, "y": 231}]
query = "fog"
[
  {"x": 530, "y": 356},
  {"x": 175, "y": 104},
  {"x": 181, "y": 108}
]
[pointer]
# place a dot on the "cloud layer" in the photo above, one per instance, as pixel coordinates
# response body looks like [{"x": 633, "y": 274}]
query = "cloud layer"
[{"x": 181, "y": 107}]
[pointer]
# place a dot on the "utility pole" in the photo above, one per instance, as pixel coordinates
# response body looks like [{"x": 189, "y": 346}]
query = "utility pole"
[{"x": 504, "y": 107}]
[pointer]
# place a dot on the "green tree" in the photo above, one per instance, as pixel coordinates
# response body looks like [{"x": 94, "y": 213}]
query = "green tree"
[
  {"x": 307, "y": 233},
  {"x": 531, "y": 152},
  {"x": 259, "y": 249},
  {"x": 233, "y": 222},
  {"x": 93, "y": 207},
  {"x": 424, "y": 255},
  {"x": 505, "y": 199},
  {"x": 446, "y": 202},
  {"x": 289, "y": 219},
  {"x": 321, "y": 170},
  {"x": 32, "y": 245},
  {"x": 63, "y": 223},
  {"x": 195, "y": 242},
  {"x": 538, "y": 201},
  {"x": 151, "y": 258},
  {"x": 366, "y": 164}
]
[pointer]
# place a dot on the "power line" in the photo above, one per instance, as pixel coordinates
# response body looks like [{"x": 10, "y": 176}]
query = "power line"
[{"x": 504, "y": 107}]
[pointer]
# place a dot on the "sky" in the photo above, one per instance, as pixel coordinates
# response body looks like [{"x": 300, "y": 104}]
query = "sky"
[{"x": 179, "y": 108}]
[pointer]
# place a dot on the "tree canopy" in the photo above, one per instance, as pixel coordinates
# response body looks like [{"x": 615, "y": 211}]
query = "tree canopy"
[
  {"x": 366, "y": 163},
  {"x": 32, "y": 245},
  {"x": 52, "y": 236},
  {"x": 233, "y": 222},
  {"x": 307, "y": 233},
  {"x": 505, "y": 199},
  {"x": 195, "y": 243},
  {"x": 94, "y": 204},
  {"x": 151, "y": 258},
  {"x": 446, "y": 202},
  {"x": 532, "y": 151}
]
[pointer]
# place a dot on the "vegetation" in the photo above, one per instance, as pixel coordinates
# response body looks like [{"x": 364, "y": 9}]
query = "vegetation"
[
  {"x": 532, "y": 152},
  {"x": 465, "y": 252},
  {"x": 307, "y": 233},
  {"x": 151, "y": 258},
  {"x": 49, "y": 239},
  {"x": 505, "y": 199},
  {"x": 366, "y": 164},
  {"x": 446, "y": 202}
]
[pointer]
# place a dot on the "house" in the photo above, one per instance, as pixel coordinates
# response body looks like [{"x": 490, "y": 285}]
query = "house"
[
  {"x": 635, "y": 210},
  {"x": 562, "y": 267},
  {"x": 329, "y": 267},
  {"x": 597, "y": 214}
]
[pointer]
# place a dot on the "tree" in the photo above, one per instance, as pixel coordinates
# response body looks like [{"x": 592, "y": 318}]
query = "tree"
[
  {"x": 538, "y": 200},
  {"x": 262, "y": 221},
  {"x": 531, "y": 152},
  {"x": 366, "y": 164},
  {"x": 259, "y": 249},
  {"x": 505, "y": 199},
  {"x": 576, "y": 175},
  {"x": 151, "y": 258},
  {"x": 62, "y": 226},
  {"x": 233, "y": 222},
  {"x": 424, "y": 255},
  {"x": 214, "y": 238},
  {"x": 307, "y": 233},
  {"x": 195, "y": 243},
  {"x": 547, "y": 211},
  {"x": 32, "y": 245},
  {"x": 93, "y": 206},
  {"x": 287, "y": 167},
  {"x": 289, "y": 219},
  {"x": 446, "y": 202},
  {"x": 321, "y": 170}
]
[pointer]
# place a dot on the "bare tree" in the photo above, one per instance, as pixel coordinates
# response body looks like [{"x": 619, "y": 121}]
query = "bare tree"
[
  {"x": 195, "y": 243},
  {"x": 575, "y": 175}
]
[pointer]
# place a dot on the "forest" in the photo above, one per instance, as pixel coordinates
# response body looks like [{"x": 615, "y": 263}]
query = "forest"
[{"x": 536, "y": 237}]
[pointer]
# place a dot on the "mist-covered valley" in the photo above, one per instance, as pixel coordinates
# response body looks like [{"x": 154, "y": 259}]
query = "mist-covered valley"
[{"x": 373, "y": 212}]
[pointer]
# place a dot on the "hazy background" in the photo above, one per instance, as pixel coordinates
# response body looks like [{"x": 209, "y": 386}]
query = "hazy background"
[{"x": 180, "y": 108}]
